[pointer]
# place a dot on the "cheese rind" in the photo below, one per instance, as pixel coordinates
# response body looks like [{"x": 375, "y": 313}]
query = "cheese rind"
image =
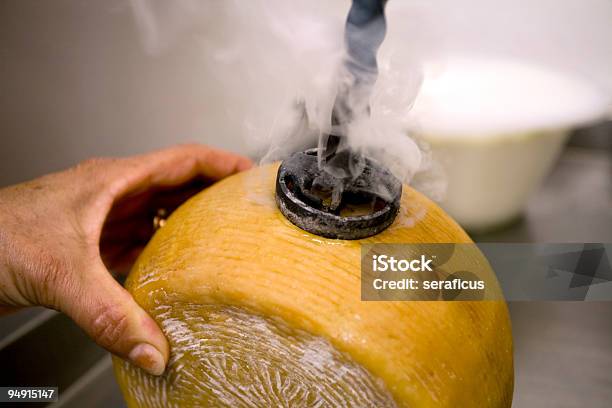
[{"x": 230, "y": 247}]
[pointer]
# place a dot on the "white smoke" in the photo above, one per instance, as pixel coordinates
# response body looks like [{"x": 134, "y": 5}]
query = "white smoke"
[
  {"x": 274, "y": 64},
  {"x": 280, "y": 66}
]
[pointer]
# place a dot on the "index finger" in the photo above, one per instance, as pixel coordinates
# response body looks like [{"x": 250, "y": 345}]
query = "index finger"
[{"x": 175, "y": 166}]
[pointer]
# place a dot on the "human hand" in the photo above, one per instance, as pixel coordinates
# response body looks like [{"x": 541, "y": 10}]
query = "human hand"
[{"x": 59, "y": 234}]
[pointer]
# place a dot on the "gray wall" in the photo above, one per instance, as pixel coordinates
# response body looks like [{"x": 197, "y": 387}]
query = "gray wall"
[{"x": 75, "y": 82}]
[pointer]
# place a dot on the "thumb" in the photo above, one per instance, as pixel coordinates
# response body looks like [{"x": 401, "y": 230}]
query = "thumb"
[{"x": 113, "y": 319}]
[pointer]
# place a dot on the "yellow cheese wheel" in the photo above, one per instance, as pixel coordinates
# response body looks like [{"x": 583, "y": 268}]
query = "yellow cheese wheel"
[{"x": 261, "y": 313}]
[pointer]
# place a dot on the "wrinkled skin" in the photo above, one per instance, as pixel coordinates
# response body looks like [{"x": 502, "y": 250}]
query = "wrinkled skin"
[{"x": 61, "y": 233}]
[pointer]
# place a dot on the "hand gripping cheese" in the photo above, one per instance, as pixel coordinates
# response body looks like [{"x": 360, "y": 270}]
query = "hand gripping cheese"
[{"x": 260, "y": 313}]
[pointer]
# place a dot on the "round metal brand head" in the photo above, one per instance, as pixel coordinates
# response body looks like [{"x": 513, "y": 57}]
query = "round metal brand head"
[{"x": 343, "y": 205}]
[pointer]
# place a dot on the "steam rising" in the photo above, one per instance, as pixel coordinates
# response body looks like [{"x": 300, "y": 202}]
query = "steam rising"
[
  {"x": 276, "y": 65},
  {"x": 282, "y": 62}
]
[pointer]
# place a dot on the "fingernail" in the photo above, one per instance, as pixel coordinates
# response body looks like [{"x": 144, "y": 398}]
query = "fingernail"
[{"x": 148, "y": 358}]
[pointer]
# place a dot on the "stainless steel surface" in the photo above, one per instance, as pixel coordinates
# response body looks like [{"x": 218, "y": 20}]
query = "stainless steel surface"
[
  {"x": 96, "y": 388},
  {"x": 563, "y": 354},
  {"x": 49, "y": 350},
  {"x": 563, "y": 350}
]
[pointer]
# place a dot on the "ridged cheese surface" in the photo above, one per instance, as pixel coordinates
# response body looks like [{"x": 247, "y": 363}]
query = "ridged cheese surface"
[{"x": 260, "y": 313}]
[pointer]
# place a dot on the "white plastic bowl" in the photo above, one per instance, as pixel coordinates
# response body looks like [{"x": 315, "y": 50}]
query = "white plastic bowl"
[
  {"x": 490, "y": 180},
  {"x": 497, "y": 127}
]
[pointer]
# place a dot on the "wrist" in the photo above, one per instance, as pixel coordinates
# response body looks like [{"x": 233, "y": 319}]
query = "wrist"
[{"x": 11, "y": 268}]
